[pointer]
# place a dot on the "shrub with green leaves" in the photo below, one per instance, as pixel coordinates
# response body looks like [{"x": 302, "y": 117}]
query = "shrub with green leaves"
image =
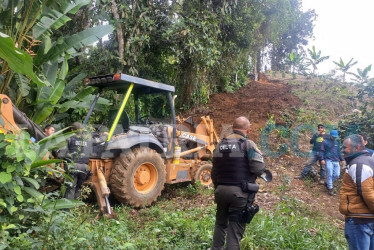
[{"x": 24, "y": 170}]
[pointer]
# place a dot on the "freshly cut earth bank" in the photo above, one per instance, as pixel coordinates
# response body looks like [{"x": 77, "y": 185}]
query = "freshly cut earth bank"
[{"x": 257, "y": 100}]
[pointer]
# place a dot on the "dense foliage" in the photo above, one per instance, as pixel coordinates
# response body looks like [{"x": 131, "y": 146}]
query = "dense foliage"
[
  {"x": 362, "y": 120},
  {"x": 35, "y": 57},
  {"x": 199, "y": 46},
  {"x": 177, "y": 224},
  {"x": 24, "y": 170}
]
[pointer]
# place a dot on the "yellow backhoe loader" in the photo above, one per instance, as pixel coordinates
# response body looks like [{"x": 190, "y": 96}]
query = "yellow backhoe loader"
[{"x": 139, "y": 156}]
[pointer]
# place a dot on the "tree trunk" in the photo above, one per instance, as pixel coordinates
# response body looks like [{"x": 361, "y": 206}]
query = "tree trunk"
[
  {"x": 258, "y": 64},
  {"x": 121, "y": 43},
  {"x": 255, "y": 68}
]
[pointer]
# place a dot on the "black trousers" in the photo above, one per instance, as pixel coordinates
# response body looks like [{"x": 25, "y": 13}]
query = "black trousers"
[
  {"x": 230, "y": 200},
  {"x": 79, "y": 174}
]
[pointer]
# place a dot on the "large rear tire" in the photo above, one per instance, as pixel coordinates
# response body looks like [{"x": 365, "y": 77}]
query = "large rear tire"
[
  {"x": 203, "y": 173},
  {"x": 138, "y": 177}
]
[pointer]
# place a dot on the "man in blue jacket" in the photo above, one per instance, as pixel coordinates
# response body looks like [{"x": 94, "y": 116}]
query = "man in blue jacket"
[
  {"x": 330, "y": 155},
  {"x": 316, "y": 140}
]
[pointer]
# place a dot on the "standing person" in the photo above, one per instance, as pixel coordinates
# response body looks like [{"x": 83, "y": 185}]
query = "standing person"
[
  {"x": 365, "y": 138},
  {"x": 357, "y": 194},
  {"x": 48, "y": 130},
  {"x": 317, "y": 141},
  {"x": 236, "y": 161},
  {"x": 79, "y": 149},
  {"x": 330, "y": 155}
]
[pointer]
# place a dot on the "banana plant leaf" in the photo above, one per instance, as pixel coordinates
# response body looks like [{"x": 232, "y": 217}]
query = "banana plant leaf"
[
  {"x": 32, "y": 181},
  {"x": 83, "y": 93},
  {"x": 83, "y": 103},
  {"x": 23, "y": 84},
  {"x": 72, "y": 85},
  {"x": 48, "y": 204},
  {"x": 55, "y": 16},
  {"x": 18, "y": 60},
  {"x": 76, "y": 41},
  {"x": 50, "y": 71},
  {"x": 55, "y": 141},
  {"x": 62, "y": 204},
  {"x": 44, "y": 162},
  {"x": 48, "y": 96},
  {"x": 46, "y": 108}
]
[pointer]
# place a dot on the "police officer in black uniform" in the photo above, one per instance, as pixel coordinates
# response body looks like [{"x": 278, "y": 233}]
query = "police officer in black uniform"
[
  {"x": 237, "y": 162},
  {"x": 79, "y": 148}
]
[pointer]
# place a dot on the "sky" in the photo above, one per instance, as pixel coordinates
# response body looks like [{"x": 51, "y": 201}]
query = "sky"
[{"x": 344, "y": 28}]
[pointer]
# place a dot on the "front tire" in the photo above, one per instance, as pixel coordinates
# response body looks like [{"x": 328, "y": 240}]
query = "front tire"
[
  {"x": 138, "y": 177},
  {"x": 203, "y": 173}
]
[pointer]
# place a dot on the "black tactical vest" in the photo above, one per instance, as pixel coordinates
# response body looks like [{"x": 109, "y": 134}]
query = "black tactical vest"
[
  {"x": 79, "y": 149},
  {"x": 230, "y": 162}
]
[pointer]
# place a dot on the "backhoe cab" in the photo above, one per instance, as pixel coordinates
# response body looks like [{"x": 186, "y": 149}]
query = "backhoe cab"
[{"x": 140, "y": 155}]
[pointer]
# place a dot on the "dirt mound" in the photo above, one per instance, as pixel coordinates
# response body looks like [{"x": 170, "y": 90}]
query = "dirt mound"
[{"x": 257, "y": 100}]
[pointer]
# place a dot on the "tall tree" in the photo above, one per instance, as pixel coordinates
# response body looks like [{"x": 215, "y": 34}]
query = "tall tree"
[
  {"x": 199, "y": 46},
  {"x": 298, "y": 28}
]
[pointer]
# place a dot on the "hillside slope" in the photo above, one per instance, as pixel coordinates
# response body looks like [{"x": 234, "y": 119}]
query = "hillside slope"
[
  {"x": 291, "y": 102},
  {"x": 256, "y": 100}
]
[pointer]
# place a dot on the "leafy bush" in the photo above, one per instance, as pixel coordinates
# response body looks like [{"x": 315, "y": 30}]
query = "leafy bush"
[
  {"x": 292, "y": 226},
  {"x": 171, "y": 224},
  {"x": 361, "y": 121},
  {"x": 23, "y": 171}
]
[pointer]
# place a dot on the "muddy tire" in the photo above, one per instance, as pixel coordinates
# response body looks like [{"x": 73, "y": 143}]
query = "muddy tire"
[
  {"x": 138, "y": 177},
  {"x": 203, "y": 173}
]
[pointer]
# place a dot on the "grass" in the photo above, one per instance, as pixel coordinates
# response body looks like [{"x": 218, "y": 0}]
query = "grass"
[
  {"x": 181, "y": 223},
  {"x": 324, "y": 100}
]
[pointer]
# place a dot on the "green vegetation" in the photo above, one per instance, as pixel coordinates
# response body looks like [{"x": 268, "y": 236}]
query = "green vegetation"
[
  {"x": 315, "y": 58},
  {"x": 362, "y": 120},
  {"x": 292, "y": 226},
  {"x": 182, "y": 223},
  {"x": 32, "y": 46},
  {"x": 23, "y": 208},
  {"x": 345, "y": 67},
  {"x": 200, "y": 47},
  {"x": 323, "y": 100}
]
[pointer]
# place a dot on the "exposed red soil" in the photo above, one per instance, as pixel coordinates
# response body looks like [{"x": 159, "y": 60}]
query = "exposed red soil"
[{"x": 257, "y": 100}]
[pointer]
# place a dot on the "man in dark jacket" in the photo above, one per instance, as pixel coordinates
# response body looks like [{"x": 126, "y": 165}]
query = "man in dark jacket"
[
  {"x": 236, "y": 161},
  {"x": 365, "y": 138},
  {"x": 357, "y": 194},
  {"x": 79, "y": 148},
  {"x": 316, "y": 140},
  {"x": 330, "y": 156}
]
